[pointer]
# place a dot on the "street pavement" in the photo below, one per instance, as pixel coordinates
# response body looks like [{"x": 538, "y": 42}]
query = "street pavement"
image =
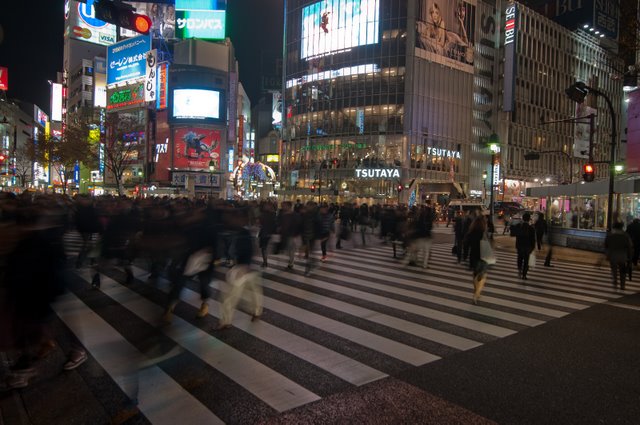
[{"x": 365, "y": 339}]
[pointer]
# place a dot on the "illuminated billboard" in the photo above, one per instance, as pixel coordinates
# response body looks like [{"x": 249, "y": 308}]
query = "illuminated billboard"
[
  {"x": 56, "y": 102},
  {"x": 83, "y": 25},
  {"x": 127, "y": 60},
  {"x": 203, "y": 24},
  {"x": 445, "y": 32},
  {"x": 4, "y": 78},
  {"x": 333, "y": 26},
  {"x": 162, "y": 85},
  {"x": 39, "y": 116},
  {"x": 125, "y": 97},
  {"x": 99, "y": 90},
  {"x": 195, "y": 147},
  {"x": 196, "y": 104},
  {"x": 633, "y": 132}
]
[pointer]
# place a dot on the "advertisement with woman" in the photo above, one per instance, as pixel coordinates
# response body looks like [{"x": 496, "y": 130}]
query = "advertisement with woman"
[
  {"x": 445, "y": 32},
  {"x": 195, "y": 147}
]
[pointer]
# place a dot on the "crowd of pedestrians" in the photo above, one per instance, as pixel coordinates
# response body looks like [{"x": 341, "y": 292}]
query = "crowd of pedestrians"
[{"x": 182, "y": 239}]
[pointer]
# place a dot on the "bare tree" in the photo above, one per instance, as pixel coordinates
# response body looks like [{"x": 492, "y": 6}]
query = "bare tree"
[
  {"x": 120, "y": 152},
  {"x": 62, "y": 154},
  {"x": 25, "y": 157}
]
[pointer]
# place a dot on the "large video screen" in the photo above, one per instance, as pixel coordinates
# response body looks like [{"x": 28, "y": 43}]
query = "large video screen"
[
  {"x": 196, "y": 104},
  {"x": 332, "y": 26}
]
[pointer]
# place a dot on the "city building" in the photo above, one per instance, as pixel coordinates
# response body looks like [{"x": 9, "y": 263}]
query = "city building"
[{"x": 401, "y": 101}]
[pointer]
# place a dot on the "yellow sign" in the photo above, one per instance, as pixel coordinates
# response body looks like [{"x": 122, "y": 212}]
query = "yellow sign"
[{"x": 273, "y": 158}]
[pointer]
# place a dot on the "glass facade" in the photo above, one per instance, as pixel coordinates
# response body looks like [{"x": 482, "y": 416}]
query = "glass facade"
[
  {"x": 344, "y": 100},
  {"x": 394, "y": 94}
]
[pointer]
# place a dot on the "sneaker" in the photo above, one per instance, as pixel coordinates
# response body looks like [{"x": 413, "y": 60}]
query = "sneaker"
[
  {"x": 204, "y": 310},
  {"x": 76, "y": 358}
]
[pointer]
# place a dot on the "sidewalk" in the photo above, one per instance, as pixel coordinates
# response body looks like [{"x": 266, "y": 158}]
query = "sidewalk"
[{"x": 560, "y": 253}]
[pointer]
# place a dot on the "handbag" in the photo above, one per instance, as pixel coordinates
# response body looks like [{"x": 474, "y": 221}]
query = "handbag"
[
  {"x": 198, "y": 262},
  {"x": 532, "y": 260},
  {"x": 486, "y": 252}
]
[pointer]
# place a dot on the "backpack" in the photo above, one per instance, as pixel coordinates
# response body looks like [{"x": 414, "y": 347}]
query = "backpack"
[{"x": 515, "y": 230}]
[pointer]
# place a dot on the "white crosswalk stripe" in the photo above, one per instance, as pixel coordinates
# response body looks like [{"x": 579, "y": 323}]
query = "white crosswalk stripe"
[{"x": 363, "y": 315}]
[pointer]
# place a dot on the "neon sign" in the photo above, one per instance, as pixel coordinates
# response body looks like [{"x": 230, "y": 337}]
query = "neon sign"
[{"x": 370, "y": 173}]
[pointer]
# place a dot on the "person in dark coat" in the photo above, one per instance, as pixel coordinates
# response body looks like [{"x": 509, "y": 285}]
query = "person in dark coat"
[
  {"x": 324, "y": 228},
  {"x": 268, "y": 227},
  {"x": 476, "y": 232},
  {"x": 633, "y": 230},
  {"x": 619, "y": 250},
  {"x": 525, "y": 244},
  {"x": 458, "y": 229},
  {"x": 540, "y": 227}
]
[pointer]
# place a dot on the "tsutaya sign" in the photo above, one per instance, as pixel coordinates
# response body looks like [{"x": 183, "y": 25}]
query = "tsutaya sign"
[
  {"x": 443, "y": 153},
  {"x": 382, "y": 173}
]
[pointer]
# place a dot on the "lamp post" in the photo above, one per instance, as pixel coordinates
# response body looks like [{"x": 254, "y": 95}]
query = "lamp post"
[
  {"x": 484, "y": 186},
  {"x": 577, "y": 92},
  {"x": 494, "y": 145},
  {"x": 212, "y": 167}
]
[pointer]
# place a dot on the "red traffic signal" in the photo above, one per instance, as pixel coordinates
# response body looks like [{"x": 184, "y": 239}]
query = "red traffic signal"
[
  {"x": 313, "y": 187},
  {"x": 588, "y": 172},
  {"x": 123, "y": 15},
  {"x": 400, "y": 188}
]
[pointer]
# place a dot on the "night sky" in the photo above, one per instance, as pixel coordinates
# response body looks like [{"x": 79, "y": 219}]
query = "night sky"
[{"x": 33, "y": 43}]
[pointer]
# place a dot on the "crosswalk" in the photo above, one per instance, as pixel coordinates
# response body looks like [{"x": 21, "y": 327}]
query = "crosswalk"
[{"x": 359, "y": 317}]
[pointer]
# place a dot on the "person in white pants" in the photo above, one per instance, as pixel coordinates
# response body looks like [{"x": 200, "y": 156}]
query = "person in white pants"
[{"x": 241, "y": 277}]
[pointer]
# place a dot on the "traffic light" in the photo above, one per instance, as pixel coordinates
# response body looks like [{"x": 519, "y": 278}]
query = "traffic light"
[
  {"x": 588, "y": 172},
  {"x": 123, "y": 15},
  {"x": 400, "y": 188},
  {"x": 313, "y": 188}
]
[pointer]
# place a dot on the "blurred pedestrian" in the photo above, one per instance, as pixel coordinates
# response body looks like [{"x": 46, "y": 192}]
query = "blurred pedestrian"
[
  {"x": 618, "y": 250},
  {"x": 268, "y": 227},
  {"x": 477, "y": 231},
  {"x": 540, "y": 227},
  {"x": 633, "y": 230},
  {"x": 241, "y": 277},
  {"x": 525, "y": 244}
]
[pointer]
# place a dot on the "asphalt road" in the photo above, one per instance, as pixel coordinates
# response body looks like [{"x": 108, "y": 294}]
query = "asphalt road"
[{"x": 364, "y": 339}]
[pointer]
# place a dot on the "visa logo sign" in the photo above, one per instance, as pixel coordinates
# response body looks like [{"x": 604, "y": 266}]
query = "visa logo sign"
[{"x": 107, "y": 38}]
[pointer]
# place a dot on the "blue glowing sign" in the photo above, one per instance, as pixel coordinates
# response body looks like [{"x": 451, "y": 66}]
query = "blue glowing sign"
[{"x": 127, "y": 60}]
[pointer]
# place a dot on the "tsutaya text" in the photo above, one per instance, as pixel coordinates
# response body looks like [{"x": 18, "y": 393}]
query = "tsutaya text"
[
  {"x": 387, "y": 173},
  {"x": 443, "y": 153}
]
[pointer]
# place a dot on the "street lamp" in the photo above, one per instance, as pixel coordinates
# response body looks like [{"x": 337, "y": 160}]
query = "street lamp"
[
  {"x": 484, "y": 186},
  {"x": 212, "y": 167},
  {"x": 577, "y": 92},
  {"x": 494, "y": 145}
]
